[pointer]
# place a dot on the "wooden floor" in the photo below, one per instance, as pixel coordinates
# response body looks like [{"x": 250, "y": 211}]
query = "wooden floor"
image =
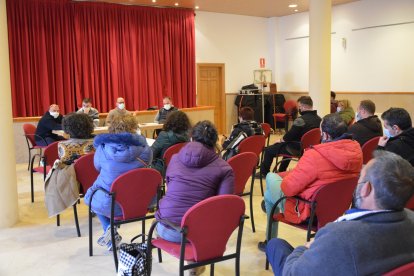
[{"x": 36, "y": 246}]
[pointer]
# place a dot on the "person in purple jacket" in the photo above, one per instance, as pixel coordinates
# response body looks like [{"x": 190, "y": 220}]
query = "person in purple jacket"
[{"x": 194, "y": 174}]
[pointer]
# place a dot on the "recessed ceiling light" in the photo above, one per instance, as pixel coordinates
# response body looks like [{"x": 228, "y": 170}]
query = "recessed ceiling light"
[
  {"x": 197, "y": 7},
  {"x": 176, "y": 4},
  {"x": 296, "y": 10},
  {"x": 153, "y": 1},
  {"x": 293, "y": 5}
]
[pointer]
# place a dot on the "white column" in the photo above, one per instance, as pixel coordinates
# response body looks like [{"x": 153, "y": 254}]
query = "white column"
[
  {"x": 320, "y": 54},
  {"x": 8, "y": 182}
]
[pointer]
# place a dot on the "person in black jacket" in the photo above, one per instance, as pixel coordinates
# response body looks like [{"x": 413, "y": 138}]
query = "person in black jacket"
[
  {"x": 398, "y": 133},
  {"x": 308, "y": 120},
  {"x": 51, "y": 120},
  {"x": 247, "y": 125},
  {"x": 367, "y": 125}
]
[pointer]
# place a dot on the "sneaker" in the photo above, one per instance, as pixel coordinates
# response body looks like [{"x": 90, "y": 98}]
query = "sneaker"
[
  {"x": 196, "y": 271},
  {"x": 263, "y": 205},
  {"x": 118, "y": 240},
  {"x": 106, "y": 237},
  {"x": 262, "y": 246}
]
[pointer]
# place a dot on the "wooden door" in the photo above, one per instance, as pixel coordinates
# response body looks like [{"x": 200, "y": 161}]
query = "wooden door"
[{"x": 210, "y": 91}]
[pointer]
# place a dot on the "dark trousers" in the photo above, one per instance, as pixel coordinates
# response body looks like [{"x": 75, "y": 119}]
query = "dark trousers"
[
  {"x": 49, "y": 140},
  {"x": 277, "y": 251},
  {"x": 270, "y": 153}
]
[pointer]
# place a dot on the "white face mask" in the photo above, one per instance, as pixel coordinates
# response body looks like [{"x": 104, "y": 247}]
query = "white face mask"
[
  {"x": 167, "y": 106},
  {"x": 387, "y": 133},
  {"x": 357, "y": 117},
  {"x": 121, "y": 106},
  {"x": 338, "y": 109},
  {"x": 54, "y": 114}
]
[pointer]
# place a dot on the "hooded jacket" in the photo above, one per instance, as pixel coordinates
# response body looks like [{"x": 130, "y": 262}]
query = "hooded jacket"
[
  {"x": 194, "y": 174},
  {"x": 402, "y": 144},
  {"x": 115, "y": 154},
  {"x": 165, "y": 140},
  {"x": 319, "y": 166},
  {"x": 366, "y": 129},
  {"x": 248, "y": 127}
]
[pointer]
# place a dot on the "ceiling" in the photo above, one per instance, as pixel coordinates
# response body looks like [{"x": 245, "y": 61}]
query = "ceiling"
[{"x": 260, "y": 8}]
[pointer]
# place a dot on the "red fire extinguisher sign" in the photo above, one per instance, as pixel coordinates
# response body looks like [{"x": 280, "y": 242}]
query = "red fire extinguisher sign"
[{"x": 262, "y": 63}]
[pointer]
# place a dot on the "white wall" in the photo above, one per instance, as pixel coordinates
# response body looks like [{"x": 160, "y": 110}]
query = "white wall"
[
  {"x": 237, "y": 41},
  {"x": 375, "y": 59}
]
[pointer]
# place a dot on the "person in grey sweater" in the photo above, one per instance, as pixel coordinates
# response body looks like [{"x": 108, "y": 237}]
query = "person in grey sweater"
[{"x": 374, "y": 238}]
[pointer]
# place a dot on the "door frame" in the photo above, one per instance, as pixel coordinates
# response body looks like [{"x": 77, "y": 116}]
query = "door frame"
[{"x": 223, "y": 103}]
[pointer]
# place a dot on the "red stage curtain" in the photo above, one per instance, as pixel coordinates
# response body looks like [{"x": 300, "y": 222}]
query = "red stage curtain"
[{"x": 102, "y": 51}]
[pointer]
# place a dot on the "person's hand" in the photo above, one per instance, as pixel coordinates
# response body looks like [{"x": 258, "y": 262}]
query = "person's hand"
[
  {"x": 281, "y": 140},
  {"x": 383, "y": 141},
  {"x": 222, "y": 138},
  {"x": 308, "y": 244}
]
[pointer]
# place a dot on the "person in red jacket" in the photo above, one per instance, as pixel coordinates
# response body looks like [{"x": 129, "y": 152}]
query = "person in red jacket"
[{"x": 337, "y": 157}]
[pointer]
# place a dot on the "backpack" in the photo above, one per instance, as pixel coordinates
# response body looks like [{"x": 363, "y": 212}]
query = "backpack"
[{"x": 232, "y": 149}]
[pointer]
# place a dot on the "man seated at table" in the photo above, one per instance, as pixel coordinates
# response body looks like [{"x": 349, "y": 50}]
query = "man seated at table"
[
  {"x": 168, "y": 107},
  {"x": 87, "y": 108},
  {"x": 367, "y": 125},
  {"x": 50, "y": 121},
  {"x": 372, "y": 239},
  {"x": 119, "y": 110}
]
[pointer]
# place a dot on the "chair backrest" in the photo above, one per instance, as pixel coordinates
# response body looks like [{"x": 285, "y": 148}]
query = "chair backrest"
[
  {"x": 404, "y": 270},
  {"x": 29, "y": 132},
  {"x": 266, "y": 129},
  {"x": 290, "y": 106},
  {"x": 253, "y": 143},
  {"x": 311, "y": 138},
  {"x": 410, "y": 203},
  {"x": 368, "y": 148},
  {"x": 50, "y": 154},
  {"x": 333, "y": 199},
  {"x": 209, "y": 228},
  {"x": 243, "y": 165},
  {"x": 85, "y": 170},
  {"x": 134, "y": 191},
  {"x": 171, "y": 151}
]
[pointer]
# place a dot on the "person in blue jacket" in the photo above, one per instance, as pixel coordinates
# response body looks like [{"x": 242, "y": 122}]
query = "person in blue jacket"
[{"x": 116, "y": 153}]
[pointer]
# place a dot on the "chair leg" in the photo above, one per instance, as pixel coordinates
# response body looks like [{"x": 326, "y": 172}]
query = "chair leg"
[
  {"x": 212, "y": 269},
  {"x": 58, "y": 220},
  {"x": 143, "y": 231},
  {"x": 267, "y": 264},
  {"x": 90, "y": 233},
  {"x": 261, "y": 183},
  {"x": 75, "y": 213},
  {"x": 30, "y": 158},
  {"x": 114, "y": 245},
  {"x": 251, "y": 204},
  {"x": 237, "y": 266},
  {"x": 159, "y": 256},
  {"x": 31, "y": 178}
]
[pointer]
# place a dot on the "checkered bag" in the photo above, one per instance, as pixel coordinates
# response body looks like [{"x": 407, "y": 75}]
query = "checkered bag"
[{"x": 133, "y": 260}]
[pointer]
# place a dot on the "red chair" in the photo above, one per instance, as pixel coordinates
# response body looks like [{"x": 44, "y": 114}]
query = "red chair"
[
  {"x": 86, "y": 175},
  {"x": 170, "y": 152},
  {"x": 368, "y": 148},
  {"x": 310, "y": 138},
  {"x": 133, "y": 191},
  {"x": 30, "y": 134},
  {"x": 327, "y": 204},
  {"x": 244, "y": 166},
  {"x": 410, "y": 203},
  {"x": 205, "y": 230},
  {"x": 50, "y": 154},
  {"x": 255, "y": 144},
  {"x": 267, "y": 129},
  {"x": 404, "y": 270},
  {"x": 291, "y": 109}
]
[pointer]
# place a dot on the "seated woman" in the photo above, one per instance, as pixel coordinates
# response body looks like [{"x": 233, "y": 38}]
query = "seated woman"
[
  {"x": 117, "y": 152},
  {"x": 345, "y": 110},
  {"x": 194, "y": 174},
  {"x": 79, "y": 127},
  {"x": 175, "y": 131}
]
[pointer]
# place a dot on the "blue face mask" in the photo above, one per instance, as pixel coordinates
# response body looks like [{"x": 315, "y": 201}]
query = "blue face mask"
[{"x": 387, "y": 133}]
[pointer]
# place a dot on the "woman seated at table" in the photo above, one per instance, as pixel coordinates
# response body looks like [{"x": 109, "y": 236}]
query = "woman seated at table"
[
  {"x": 79, "y": 127},
  {"x": 194, "y": 174},
  {"x": 117, "y": 152},
  {"x": 175, "y": 131},
  {"x": 346, "y": 111}
]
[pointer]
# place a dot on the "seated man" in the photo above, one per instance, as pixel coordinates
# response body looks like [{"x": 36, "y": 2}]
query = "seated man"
[
  {"x": 246, "y": 125},
  {"x": 307, "y": 121},
  {"x": 119, "y": 110},
  {"x": 367, "y": 125},
  {"x": 87, "y": 108},
  {"x": 51, "y": 120},
  {"x": 168, "y": 107},
  {"x": 399, "y": 133},
  {"x": 338, "y": 157},
  {"x": 372, "y": 239}
]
